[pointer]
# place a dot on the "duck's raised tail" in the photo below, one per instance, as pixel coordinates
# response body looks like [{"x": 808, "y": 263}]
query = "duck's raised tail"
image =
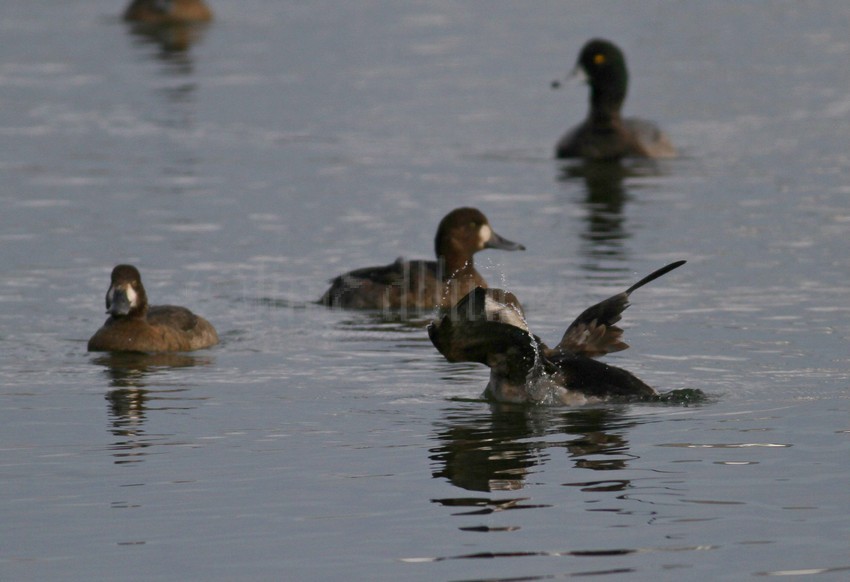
[{"x": 654, "y": 275}]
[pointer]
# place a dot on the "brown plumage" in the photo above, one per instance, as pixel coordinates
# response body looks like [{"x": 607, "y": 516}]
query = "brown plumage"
[
  {"x": 168, "y": 11},
  {"x": 423, "y": 285},
  {"x": 135, "y": 326}
]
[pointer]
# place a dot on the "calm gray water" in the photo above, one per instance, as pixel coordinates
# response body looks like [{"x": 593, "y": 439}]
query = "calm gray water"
[{"x": 296, "y": 140}]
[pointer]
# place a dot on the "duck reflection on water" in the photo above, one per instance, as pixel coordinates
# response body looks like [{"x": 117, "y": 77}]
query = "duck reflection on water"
[
  {"x": 130, "y": 400},
  {"x": 608, "y": 187},
  {"x": 497, "y": 452}
]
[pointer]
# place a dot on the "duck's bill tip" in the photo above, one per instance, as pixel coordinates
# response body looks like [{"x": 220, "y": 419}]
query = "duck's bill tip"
[
  {"x": 499, "y": 242},
  {"x": 578, "y": 74}
]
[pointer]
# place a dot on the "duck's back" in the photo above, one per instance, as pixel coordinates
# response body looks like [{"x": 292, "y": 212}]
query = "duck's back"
[
  {"x": 632, "y": 137},
  {"x": 178, "y": 11},
  {"x": 402, "y": 284},
  {"x": 596, "y": 379},
  {"x": 651, "y": 141},
  {"x": 167, "y": 328}
]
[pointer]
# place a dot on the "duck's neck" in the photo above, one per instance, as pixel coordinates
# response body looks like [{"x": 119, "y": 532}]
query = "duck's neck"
[
  {"x": 605, "y": 118},
  {"x": 604, "y": 111},
  {"x": 140, "y": 312},
  {"x": 454, "y": 267},
  {"x": 459, "y": 278},
  {"x": 606, "y": 101}
]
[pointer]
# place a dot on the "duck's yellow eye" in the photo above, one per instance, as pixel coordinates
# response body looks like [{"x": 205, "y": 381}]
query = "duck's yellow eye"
[{"x": 598, "y": 59}]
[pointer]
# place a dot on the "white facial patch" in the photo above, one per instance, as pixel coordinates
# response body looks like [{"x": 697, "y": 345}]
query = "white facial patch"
[
  {"x": 485, "y": 234},
  {"x": 131, "y": 296}
]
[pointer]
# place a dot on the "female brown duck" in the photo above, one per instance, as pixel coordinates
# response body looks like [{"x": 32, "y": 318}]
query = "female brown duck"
[
  {"x": 168, "y": 11},
  {"x": 135, "y": 326},
  {"x": 605, "y": 134},
  {"x": 424, "y": 285}
]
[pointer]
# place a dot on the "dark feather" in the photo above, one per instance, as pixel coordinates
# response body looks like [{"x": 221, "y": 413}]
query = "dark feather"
[
  {"x": 594, "y": 378},
  {"x": 594, "y": 332}
]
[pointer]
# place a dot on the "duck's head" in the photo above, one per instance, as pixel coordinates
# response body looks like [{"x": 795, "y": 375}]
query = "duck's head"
[
  {"x": 126, "y": 295},
  {"x": 604, "y": 66},
  {"x": 465, "y": 231}
]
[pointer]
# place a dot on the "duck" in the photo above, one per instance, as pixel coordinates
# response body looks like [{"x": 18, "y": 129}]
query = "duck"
[
  {"x": 605, "y": 134},
  {"x": 135, "y": 326},
  {"x": 486, "y": 327},
  {"x": 168, "y": 11},
  {"x": 423, "y": 285}
]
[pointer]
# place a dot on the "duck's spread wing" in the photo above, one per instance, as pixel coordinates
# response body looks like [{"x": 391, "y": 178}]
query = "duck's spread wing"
[
  {"x": 508, "y": 350},
  {"x": 476, "y": 341},
  {"x": 487, "y": 327},
  {"x": 594, "y": 332}
]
